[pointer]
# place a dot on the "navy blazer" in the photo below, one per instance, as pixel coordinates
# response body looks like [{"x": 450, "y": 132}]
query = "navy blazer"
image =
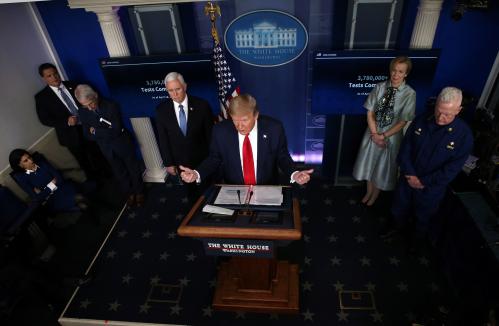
[
  {"x": 435, "y": 154},
  {"x": 191, "y": 149},
  {"x": 109, "y": 138},
  {"x": 273, "y": 154},
  {"x": 62, "y": 199},
  {"x": 53, "y": 113}
]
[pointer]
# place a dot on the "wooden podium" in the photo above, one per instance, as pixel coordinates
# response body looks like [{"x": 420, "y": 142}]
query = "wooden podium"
[{"x": 247, "y": 283}]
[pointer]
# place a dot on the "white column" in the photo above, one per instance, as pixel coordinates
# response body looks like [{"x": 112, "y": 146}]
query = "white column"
[
  {"x": 425, "y": 26},
  {"x": 111, "y": 29},
  {"x": 155, "y": 171}
]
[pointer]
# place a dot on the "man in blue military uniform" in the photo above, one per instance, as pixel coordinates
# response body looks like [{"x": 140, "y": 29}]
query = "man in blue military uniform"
[{"x": 432, "y": 153}]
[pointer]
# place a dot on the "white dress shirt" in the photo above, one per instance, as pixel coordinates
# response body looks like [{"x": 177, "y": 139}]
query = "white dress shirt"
[{"x": 65, "y": 90}]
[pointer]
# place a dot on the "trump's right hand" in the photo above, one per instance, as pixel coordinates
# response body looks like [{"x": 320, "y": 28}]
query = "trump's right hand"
[{"x": 188, "y": 175}]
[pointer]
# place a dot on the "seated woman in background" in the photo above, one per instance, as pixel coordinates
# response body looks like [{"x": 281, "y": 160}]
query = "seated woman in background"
[
  {"x": 43, "y": 182},
  {"x": 389, "y": 106}
]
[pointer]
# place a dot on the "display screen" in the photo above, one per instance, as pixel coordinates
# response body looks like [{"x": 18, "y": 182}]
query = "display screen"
[
  {"x": 342, "y": 79},
  {"x": 137, "y": 83}
]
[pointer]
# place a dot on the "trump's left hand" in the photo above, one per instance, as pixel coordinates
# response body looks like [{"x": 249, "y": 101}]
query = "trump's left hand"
[{"x": 303, "y": 177}]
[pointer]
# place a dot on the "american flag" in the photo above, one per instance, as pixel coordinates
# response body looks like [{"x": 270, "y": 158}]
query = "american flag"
[{"x": 227, "y": 85}]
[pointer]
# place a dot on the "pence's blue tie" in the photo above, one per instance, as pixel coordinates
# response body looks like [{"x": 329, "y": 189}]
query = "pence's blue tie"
[{"x": 182, "y": 121}]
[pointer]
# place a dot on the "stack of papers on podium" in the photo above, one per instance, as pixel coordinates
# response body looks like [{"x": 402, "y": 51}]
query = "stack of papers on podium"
[{"x": 250, "y": 195}]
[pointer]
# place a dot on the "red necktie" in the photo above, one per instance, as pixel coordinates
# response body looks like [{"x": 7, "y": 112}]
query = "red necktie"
[{"x": 248, "y": 165}]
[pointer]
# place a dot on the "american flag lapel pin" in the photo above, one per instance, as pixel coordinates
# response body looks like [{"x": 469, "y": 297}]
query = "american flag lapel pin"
[
  {"x": 190, "y": 109},
  {"x": 264, "y": 136}
]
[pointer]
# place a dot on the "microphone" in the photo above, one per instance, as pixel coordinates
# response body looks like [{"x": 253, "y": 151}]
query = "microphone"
[
  {"x": 239, "y": 196},
  {"x": 249, "y": 198}
]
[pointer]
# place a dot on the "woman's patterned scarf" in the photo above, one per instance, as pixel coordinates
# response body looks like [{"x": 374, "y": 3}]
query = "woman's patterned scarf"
[{"x": 384, "y": 108}]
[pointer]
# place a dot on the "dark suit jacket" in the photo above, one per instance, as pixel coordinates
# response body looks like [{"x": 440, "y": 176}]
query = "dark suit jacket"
[
  {"x": 62, "y": 199},
  {"x": 273, "y": 154},
  {"x": 109, "y": 138},
  {"x": 177, "y": 149},
  {"x": 53, "y": 113}
]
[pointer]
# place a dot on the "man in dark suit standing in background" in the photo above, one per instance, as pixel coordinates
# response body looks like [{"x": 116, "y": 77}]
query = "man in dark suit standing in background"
[
  {"x": 56, "y": 107},
  {"x": 184, "y": 124},
  {"x": 101, "y": 121},
  {"x": 250, "y": 149}
]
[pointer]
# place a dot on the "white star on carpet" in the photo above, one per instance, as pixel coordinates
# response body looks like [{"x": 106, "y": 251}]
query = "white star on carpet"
[
  {"x": 171, "y": 235},
  {"x": 162, "y": 200},
  {"x": 240, "y": 315},
  {"x": 364, "y": 261},
  {"x": 164, "y": 256},
  {"x": 212, "y": 283},
  {"x": 306, "y": 238},
  {"x": 394, "y": 261},
  {"x": 332, "y": 238},
  {"x": 403, "y": 287},
  {"x": 191, "y": 257},
  {"x": 304, "y": 219},
  {"x": 207, "y": 312},
  {"x": 113, "y": 306},
  {"x": 155, "y": 216},
  {"x": 178, "y": 217},
  {"x": 307, "y": 261},
  {"x": 273, "y": 316},
  {"x": 308, "y": 315},
  {"x": 377, "y": 316},
  {"x": 146, "y": 234},
  {"x": 356, "y": 219},
  {"x": 330, "y": 219},
  {"x": 84, "y": 304},
  {"x": 371, "y": 287},
  {"x": 111, "y": 254},
  {"x": 137, "y": 254},
  {"x": 175, "y": 310},
  {"x": 154, "y": 280},
  {"x": 307, "y": 286},
  {"x": 185, "y": 200},
  {"x": 325, "y": 186},
  {"x": 328, "y": 202},
  {"x": 342, "y": 316},
  {"x": 360, "y": 239},
  {"x": 144, "y": 308},
  {"x": 132, "y": 215},
  {"x": 335, "y": 261},
  {"x": 338, "y": 286},
  {"x": 126, "y": 279},
  {"x": 434, "y": 287},
  {"x": 122, "y": 234},
  {"x": 184, "y": 281},
  {"x": 352, "y": 201},
  {"x": 304, "y": 202}
]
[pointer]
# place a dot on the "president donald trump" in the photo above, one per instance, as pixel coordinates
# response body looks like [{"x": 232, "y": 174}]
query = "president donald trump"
[{"x": 248, "y": 149}]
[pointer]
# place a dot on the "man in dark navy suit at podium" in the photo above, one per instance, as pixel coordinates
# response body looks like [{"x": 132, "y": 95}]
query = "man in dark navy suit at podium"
[{"x": 249, "y": 149}]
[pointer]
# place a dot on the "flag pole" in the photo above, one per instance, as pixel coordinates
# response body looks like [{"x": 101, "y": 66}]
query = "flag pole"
[{"x": 213, "y": 10}]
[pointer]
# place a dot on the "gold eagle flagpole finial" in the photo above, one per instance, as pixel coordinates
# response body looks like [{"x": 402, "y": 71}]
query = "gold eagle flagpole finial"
[{"x": 213, "y": 10}]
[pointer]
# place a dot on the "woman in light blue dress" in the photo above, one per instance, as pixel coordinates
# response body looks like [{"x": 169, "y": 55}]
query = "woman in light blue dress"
[{"x": 389, "y": 106}]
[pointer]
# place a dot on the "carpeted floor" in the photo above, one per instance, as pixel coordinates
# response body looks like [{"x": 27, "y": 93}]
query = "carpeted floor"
[{"x": 144, "y": 261}]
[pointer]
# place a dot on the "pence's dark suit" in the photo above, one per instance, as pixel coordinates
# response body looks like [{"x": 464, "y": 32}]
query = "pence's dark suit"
[
  {"x": 115, "y": 143},
  {"x": 191, "y": 149},
  {"x": 53, "y": 113},
  {"x": 273, "y": 154}
]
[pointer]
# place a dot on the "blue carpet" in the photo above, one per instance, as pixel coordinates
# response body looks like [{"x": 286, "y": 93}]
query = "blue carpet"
[{"x": 147, "y": 273}]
